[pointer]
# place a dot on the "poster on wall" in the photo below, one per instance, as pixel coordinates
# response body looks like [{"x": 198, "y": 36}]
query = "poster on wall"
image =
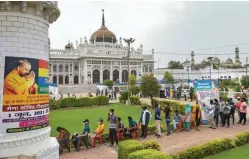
[
  {"x": 205, "y": 91},
  {"x": 25, "y": 95}
]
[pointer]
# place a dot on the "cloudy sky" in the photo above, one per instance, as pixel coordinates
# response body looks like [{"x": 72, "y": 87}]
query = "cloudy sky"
[{"x": 173, "y": 29}]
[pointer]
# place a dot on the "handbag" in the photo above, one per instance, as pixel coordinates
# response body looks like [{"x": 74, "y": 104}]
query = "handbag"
[{"x": 168, "y": 121}]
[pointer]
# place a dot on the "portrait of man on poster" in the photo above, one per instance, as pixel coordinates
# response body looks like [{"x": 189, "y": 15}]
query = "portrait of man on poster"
[{"x": 21, "y": 80}]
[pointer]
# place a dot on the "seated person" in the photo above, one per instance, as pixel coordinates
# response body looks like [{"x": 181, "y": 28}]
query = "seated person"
[
  {"x": 120, "y": 123},
  {"x": 132, "y": 127},
  {"x": 99, "y": 130},
  {"x": 177, "y": 119},
  {"x": 74, "y": 139},
  {"x": 63, "y": 138},
  {"x": 83, "y": 137}
]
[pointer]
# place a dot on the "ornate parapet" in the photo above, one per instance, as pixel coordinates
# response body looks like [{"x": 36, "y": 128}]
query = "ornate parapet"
[{"x": 47, "y": 10}]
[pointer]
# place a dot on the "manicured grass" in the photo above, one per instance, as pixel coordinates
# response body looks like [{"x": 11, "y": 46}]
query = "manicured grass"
[
  {"x": 72, "y": 118},
  {"x": 237, "y": 153}
]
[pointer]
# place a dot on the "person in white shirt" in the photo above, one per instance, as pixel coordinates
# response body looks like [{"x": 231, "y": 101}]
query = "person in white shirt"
[{"x": 211, "y": 115}]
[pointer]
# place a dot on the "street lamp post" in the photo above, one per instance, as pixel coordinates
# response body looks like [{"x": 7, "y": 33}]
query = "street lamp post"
[
  {"x": 159, "y": 60},
  {"x": 246, "y": 65},
  {"x": 188, "y": 74},
  {"x": 129, "y": 42},
  {"x": 210, "y": 60},
  {"x": 218, "y": 68}
]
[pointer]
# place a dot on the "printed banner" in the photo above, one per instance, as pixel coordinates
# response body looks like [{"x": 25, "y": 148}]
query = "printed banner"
[
  {"x": 205, "y": 91},
  {"x": 25, "y": 94}
]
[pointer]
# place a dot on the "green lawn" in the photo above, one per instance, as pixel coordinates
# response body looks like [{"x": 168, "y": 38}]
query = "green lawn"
[
  {"x": 72, "y": 118},
  {"x": 237, "y": 153}
]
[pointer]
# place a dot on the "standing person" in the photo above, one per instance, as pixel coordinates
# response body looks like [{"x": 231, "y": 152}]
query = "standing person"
[
  {"x": 232, "y": 110},
  {"x": 158, "y": 120},
  {"x": 144, "y": 120},
  {"x": 227, "y": 110},
  {"x": 187, "y": 117},
  {"x": 112, "y": 118},
  {"x": 222, "y": 105},
  {"x": 243, "y": 111},
  {"x": 167, "y": 111},
  {"x": 216, "y": 111},
  {"x": 196, "y": 112},
  {"x": 237, "y": 105},
  {"x": 211, "y": 114}
]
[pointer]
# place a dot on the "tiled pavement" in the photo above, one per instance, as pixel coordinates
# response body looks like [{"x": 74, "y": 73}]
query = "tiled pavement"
[{"x": 170, "y": 144}]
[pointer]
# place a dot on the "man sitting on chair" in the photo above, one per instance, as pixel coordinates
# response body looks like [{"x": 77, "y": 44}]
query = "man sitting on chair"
[
  {"x": 132, "y": 127},
  {"x": 99, "y": 130}
]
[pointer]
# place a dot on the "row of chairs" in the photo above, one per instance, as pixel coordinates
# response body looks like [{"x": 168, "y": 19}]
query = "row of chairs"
[{"x": 120, "y": 135}]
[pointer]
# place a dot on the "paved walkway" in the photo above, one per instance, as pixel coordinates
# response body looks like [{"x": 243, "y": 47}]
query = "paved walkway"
[{"x": 169, "y": 144}]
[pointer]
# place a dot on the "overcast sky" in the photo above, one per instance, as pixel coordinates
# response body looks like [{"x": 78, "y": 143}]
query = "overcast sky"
[{"x": 168, "y": 27}]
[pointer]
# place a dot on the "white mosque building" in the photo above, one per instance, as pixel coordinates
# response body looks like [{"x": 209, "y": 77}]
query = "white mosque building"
[
  {"x": 101, "y": 57},
  {"x": 221, "y": 70}
]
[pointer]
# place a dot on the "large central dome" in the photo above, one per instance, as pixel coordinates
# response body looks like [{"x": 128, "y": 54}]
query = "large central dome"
[{"x": 103, "y": 34}]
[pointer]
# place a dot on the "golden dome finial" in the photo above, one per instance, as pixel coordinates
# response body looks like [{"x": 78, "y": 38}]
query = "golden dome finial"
[{"x": 103, "y": 17}]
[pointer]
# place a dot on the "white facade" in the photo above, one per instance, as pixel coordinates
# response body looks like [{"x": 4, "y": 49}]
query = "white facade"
[
  {"x": 95, "y": 61},
  {"x": 182, "y": 74},
  {"x": 24, "y": 33}
]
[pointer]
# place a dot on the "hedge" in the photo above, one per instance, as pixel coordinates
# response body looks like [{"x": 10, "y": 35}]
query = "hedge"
[
  {"x": 128, "y": 146},
  {"x": 148, "y": 154},
  {"x": 207, "y": 149},
  {"x": 151, "y": 144},
  {"x": 78, "y": 102},
  {"x": 135, "y": 100},
  {"x": 242, "y": 139}
]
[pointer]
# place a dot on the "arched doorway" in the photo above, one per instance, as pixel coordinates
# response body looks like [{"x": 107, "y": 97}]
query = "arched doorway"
[
  {"x": 66, "y": 80},
  {"x": 106, "y": 75},
  {"x": 134, "y": 72},
  {"x": 115, "y": 75},
  {"x": 54, "y": 80},
  {"x": 60, "y": 80},
  {"x": 124, "y": 76},
  {"x": 96, "y": 76},
  {"x": 76, "y": 80}
]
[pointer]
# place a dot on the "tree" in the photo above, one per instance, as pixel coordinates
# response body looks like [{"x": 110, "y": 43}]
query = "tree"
[
  {"x": 135, "y": 89},
  {"x": 169, "y": 77},
  {"x": 108, "y": 83},
  {"x": 132, "y": 80},
  {"x": 245, "y": 81},
  {"x": 150, "y": 86},
  {"x": 175, "y": 65}
]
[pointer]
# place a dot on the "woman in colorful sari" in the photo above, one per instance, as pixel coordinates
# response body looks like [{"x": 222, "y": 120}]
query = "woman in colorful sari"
[
  {"x": 63, "y": 138},
  {"x": 187, "y": 117},
  {"x": 196, "y": 115}
]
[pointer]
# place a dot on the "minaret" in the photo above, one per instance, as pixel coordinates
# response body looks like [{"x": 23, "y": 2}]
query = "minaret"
[
  {"x": 24, "y": 126},
  {"x": 237, "y": 60},
  {"x": 192, "y": 59}
]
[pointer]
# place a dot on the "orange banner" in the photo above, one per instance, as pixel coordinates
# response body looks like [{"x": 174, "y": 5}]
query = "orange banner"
[{"x": 25, "y": 99}]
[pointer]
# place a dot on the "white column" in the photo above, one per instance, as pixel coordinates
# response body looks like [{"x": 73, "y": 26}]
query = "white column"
[
  {"x": 91, "y": 74},
  {"x": 101, "y": 73},
  {"x": 57, "y": 73},
  {"x": 24, "y": 36},
  {"x": 79, "y": 73},
  {"x": 85, "y": 72},
  {"x": 111, "y": 74}
]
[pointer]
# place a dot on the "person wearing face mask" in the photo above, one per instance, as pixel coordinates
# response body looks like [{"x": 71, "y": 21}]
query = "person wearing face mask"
[
  {"x": 84, "y": 136},
  {"x": 100, "y": 129},
  {"x": 113, "y": 120}
]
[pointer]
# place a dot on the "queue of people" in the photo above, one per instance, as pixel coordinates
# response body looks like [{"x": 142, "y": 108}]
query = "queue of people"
[{"x": 191, "y": 119}]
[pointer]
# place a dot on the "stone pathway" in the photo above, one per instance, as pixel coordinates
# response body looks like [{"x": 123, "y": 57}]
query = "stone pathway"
[{"x": 170, "y": 144}]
